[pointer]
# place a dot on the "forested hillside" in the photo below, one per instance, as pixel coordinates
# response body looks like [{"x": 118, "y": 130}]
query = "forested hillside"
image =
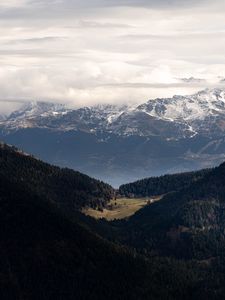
[
  {"x": 46, "y": 256},
  {"x": 67, "y": 188},
  {"x": 161, "y": 185},
  {"x": 171, "y": 249},
  {"x": 187, "y": 224}
]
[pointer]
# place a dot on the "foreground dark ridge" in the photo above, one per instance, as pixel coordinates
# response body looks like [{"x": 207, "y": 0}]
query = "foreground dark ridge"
[
  {"x": 45, "y": 255},
  {"x": 50, "y": 251},
  {"x": 69, "y": 189}
]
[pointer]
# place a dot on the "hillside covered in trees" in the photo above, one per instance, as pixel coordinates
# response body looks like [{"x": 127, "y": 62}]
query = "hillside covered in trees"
[
  {"x": 188, "y": 223},
  {"x": 67, "y": 188},
  {"x": 154, "y": 186},
  {"x": 171, "y": 249},
  {"x": 45, "y": 255}
]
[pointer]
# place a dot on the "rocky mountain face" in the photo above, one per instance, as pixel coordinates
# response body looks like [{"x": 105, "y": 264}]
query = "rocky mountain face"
[
  {"x": 178, "y": 117},
  {"x": 120, "y": 143},
  {"x": 202, "y": 113}
]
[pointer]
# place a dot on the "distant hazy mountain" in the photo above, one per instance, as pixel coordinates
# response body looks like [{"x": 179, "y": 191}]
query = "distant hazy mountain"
[{"x": 124, "y": 143}]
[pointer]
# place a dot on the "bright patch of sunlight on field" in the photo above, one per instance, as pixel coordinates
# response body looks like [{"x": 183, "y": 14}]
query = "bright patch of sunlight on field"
[{"x": 120, "y": 208}]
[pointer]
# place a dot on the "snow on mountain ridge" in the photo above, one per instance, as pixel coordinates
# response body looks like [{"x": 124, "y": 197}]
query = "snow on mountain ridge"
[
  {"x": 172, "y": 118},
  {"x": 186, "y": 108},
  {"x": 26, "y": 116},
  {"x": 37, "y": 108}
]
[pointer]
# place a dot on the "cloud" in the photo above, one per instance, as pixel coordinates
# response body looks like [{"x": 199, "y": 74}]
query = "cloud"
[
  {"x": 193, "y": 80},
  {"x": 7, "y": 4},
  {"x": 121, "y": 3},
  {"x": 38, "y": 40},
  {"x": 87, "y": 52},
  {"x": 94, "y": 24},
  {"x": 42, "y": 9}
]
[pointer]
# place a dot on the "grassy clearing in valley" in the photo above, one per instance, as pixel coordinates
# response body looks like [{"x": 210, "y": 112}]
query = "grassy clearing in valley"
[{"x": 120, "y": 208}]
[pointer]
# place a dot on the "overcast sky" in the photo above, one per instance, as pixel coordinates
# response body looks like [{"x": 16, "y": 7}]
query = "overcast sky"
[{"x": 97, "y": 51}]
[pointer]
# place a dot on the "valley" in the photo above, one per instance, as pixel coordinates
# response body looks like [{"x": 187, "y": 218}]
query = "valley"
[
  {"x": 120, "y": 208},
  {"x": 160, "y": 243}
]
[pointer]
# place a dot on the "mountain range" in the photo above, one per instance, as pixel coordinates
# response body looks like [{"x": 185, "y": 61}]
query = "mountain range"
[{"x": 124, "y": 143}]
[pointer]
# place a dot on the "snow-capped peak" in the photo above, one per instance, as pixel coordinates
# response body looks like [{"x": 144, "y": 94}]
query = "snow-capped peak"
[
  {"x": 37, "y": 108},
  {"x": 197, "y": 106},
  {"x": 176, "y": 117}
]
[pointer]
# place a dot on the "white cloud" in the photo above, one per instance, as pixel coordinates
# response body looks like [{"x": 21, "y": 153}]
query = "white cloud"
[
  {"x": 100, "y": 51},
  {"x": 13, "y": 3}
]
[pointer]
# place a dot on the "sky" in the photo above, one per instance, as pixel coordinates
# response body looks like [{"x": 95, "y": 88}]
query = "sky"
[{"x": 108, "y": 51}]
